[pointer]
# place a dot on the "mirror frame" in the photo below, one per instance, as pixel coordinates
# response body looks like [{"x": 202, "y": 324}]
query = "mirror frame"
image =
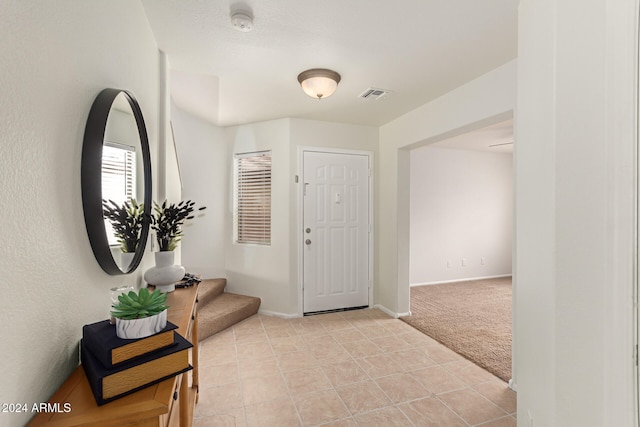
[{"x": 91, "y": 176}]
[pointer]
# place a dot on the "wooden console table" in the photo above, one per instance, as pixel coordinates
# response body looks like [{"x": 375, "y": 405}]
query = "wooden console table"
[{"x": 167, "y": 404}]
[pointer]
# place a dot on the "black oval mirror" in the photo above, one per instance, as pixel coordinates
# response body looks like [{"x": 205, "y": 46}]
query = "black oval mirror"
[{"x": 115, "y": 150}]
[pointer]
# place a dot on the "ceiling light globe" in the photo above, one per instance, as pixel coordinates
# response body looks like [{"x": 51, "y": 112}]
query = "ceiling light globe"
[{"x": 318, "y": 82}]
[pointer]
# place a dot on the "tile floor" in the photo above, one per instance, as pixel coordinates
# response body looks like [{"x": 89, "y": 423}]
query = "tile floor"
[{"x": 353, "y": 368}]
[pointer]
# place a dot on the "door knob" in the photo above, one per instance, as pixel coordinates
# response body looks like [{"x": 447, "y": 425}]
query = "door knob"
[{"x": 308, "y": 241}]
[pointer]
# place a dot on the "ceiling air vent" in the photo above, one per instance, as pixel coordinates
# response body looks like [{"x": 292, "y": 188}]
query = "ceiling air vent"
[{"x": 374, "y": 94}]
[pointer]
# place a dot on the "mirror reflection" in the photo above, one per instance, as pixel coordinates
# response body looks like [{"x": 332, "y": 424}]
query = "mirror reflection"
[
  {"x": 116, "y": 181},
  {"x": 121, "y": 159}
]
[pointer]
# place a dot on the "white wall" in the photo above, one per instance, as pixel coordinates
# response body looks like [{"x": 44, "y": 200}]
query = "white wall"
[
  {"x": 202, "y": 150},
  {"x": 575, "y": 192},
  {"x": 268, "y": 272},
  {"x": 461, "y": 209},
  {"x": 486, "y": 100},
  {"x": 260, "y": 270},
  {"x": 57, "y": 56}
]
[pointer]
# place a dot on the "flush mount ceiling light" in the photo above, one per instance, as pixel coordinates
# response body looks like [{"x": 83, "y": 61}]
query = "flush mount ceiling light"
[
  {"x": 319, "y": 82},
  {"x": 242, "y": 21}
]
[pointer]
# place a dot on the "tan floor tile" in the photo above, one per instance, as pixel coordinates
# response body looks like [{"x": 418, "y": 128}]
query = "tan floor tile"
[
  {"x": 501, "y": 422},
  {"x": 287, "y": 344},
  {"x": 348, "y": 335},
  {"x": 226, "y": 337},
  {"x": 250, "y": 335},
  {"x": 347, "y": 422},
  {"x": 374, "y": 330},
  {"x": 319, "y": 370},
  {"x": 379, "y": 365},
  {"x": 320, "y": 407},
  {"x": 213, "y": 355},
  {"x": 379, "y": 314},
  {"x": 233, "y": 418},
  {"x": 284, "y": 331},
  {"x": 363, "y": 397},
  {"x": 331, "y": 352},
  {"x": 306, "y": 381},
  {"x": 276, "y": 413},
  {"x": 309, "y": 328},
  {"x": 415, "y": 358},
  {"x": 356, "y": 314},
  {"x": 471, "y": 406},
  {"x": 437, "y": 379},
  {"x": 254, "y": 350},
  {"x": 468, "y": 372},
  {"x": 402, "y": 388},
  {"x": 499, "y": 393},
  {"x": 263, "y": 389},
  {"x": 387, "y": 417},
  {"x": 418, "y": 339},
  {"x": 219, "y": 399},
  {"x": 318, "y": 339},
  {"x": 269, "y": 322},
  {"x": 391, "y": 344},
  {"x": 441, "y": 354},
  {"x": 219, "y": 374},
  {"x": 295, "y": 360},
  {"x": 363, "y": 348},
  {"x": 256, "y": 368},
  {"x": 252, "y": 322},
  {"x": 337, "y": 324},
  {"x": 343, "y": 373},
  {"x": 398, "y": 327},
  {"x": 430, "y": 412}
]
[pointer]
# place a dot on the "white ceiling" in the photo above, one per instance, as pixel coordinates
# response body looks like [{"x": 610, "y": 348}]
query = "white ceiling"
[
  {"x": 419, "y": 49},
  {"x": 496, "y": 138}
]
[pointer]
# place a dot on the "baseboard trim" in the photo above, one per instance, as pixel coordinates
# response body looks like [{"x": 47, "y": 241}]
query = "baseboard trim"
[
  {"x": 466, "y": 279},
  {"x": 391, "y": 313},
  {"x": 278, "y": 314},
  {"x": 512, "y": 385}
]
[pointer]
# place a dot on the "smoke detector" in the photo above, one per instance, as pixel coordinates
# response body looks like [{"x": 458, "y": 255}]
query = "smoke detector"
[
  {"x": 242, "y": 21},
  {"x": 374, "y": 93}
]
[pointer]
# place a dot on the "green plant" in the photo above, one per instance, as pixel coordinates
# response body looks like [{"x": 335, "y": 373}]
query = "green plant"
[
  {"x": 126, "y": 221},
  {"x": 167, "y": 221},
  {"x": 139, "y": 305}
]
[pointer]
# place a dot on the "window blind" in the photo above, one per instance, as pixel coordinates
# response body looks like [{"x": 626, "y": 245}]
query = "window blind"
[
  {"x": 253, "y": 197},
  {"x": 118, "y": 177}
]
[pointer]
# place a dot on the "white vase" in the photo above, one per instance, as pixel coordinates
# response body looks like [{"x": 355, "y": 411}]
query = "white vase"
[
  {"x": 125, "y": 260},
  {"x": 141, "y": 328},
  {"x": 165, "y": 274}
]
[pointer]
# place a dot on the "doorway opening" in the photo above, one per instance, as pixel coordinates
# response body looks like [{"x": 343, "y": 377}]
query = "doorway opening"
[{"x": 461, "y": 233}]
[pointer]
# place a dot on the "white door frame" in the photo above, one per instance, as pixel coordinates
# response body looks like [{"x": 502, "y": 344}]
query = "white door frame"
[{"x": 299, "y": 235}]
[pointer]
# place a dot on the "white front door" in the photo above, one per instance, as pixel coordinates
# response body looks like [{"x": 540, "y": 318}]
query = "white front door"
[{"x": 335, "y": 235}]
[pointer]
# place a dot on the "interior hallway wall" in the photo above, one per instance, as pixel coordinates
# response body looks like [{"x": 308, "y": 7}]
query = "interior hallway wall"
[
  {"x": 461, "y": 214},
  {"x": 57, "y": 56}
]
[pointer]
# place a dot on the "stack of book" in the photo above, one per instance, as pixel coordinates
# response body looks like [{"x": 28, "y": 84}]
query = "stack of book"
[{"x": 116, "y": 367}]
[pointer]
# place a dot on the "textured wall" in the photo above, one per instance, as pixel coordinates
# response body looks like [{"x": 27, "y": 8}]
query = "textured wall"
[{"x": 56, "y": 57}]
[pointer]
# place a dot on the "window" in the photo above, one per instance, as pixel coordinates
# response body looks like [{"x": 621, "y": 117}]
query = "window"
[
  {"x": 118, "y": 178},
  {"x": 253, "y": 198}
]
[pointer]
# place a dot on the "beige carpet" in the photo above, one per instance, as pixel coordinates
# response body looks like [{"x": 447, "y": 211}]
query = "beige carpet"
[{"x": 472, "y": 318}]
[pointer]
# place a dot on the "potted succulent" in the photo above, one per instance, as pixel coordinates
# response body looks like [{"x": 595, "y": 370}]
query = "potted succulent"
[
  {"x": 126, "y": 221},
  {"x": 167, "y": 221},
  {"x": 140, "y": 314}
]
